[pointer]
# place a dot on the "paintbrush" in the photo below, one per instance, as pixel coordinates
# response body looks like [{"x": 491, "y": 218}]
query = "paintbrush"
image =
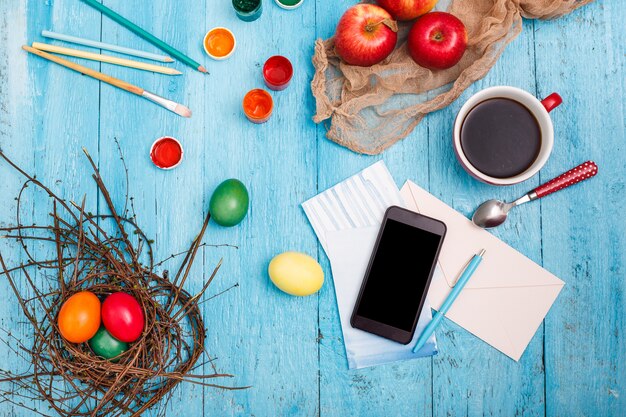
[{"x": 168, "y": 104}]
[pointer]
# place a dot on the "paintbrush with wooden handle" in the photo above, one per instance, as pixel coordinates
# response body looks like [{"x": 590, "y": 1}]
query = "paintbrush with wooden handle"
[{"x": 168, "y": 104}]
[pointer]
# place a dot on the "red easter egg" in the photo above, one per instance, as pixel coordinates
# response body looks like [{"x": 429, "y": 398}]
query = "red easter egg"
[{"x": 123, "y": 317}]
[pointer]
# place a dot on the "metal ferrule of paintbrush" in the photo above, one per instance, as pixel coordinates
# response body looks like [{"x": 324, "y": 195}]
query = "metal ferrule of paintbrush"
[{"x": 168, "y": 104}]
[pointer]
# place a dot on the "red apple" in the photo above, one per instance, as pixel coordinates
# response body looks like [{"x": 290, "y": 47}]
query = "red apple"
[
  {"x": 407, "y": 9},
  {"x": 365, "y": 35},
  {"x": 437, "y": 40}
]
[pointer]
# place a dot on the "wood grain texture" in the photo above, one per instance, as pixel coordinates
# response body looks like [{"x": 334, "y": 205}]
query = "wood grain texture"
[
  {"x": 583, "y": 229},
  {"x": 290, "y": 350},
  {"x": 470, "y": 377}
]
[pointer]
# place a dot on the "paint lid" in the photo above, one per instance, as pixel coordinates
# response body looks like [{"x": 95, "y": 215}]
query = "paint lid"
[
  {"x": 277, "y": 72},
  {"x": 219, "y": 43},
  {"x": 166, "y": 152},
  {"x": 289, "y": 4},
  {"x": 258, "y": 105}
]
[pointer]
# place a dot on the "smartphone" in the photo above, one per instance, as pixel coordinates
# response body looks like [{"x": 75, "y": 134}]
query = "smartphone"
[{"x": 398, "y": 275}]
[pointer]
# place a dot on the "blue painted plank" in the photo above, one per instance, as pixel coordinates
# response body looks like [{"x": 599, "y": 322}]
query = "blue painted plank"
[
  {"x": 582, "y": 56},
  {"x": 48, "y": 113},
  {"x": 399, "y": 389},
  {"x": 470, "y": 378},
  {"x": 265, "y": 337},
  {"x": 254, "y": 321},
  {"x": 169, "y": 204}
]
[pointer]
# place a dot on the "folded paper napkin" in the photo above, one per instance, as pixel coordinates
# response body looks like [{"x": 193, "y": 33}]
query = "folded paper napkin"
[{"x": 346, "y": 219}]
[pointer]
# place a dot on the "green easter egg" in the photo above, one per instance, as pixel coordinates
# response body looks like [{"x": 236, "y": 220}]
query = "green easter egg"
[
  {"x": 105, "y": 345},
  {"x": 229, "y": 203}
]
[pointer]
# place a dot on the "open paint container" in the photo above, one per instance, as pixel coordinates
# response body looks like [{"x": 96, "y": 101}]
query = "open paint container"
[
  {"x": 258, "y": 105},
  {"x": 219, "y": 43},
  {"x": 166, "y": 153},
  {"x": 277, "y": 72},
  {"x": 248, "y": 10},
  {"x": 289, "y": 4}
]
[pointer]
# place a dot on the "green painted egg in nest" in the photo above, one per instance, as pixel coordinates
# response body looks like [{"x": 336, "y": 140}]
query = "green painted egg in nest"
[
  {"x": 105, "y": 345},
  {"x": 229, "y": 203}
]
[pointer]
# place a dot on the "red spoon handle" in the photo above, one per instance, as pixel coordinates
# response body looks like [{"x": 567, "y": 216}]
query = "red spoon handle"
[{"x": 573, "y": 176}]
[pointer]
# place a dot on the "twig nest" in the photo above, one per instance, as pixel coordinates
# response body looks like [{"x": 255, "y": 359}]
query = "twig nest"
[{"x": 88, "y": 262}]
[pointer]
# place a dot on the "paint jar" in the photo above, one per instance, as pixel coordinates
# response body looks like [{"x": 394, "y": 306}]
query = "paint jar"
[
  {"x": 166, "y": 153},
  {"x": 277, "y": 72},
  {"x": 219, "y": 43},
  {"x": 248, "y": 10},
  {"x": 289, "y": 4},
  {"x": 258, "y": 105}
]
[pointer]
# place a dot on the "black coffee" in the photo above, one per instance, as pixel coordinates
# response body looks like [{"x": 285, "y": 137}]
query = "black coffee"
[{"x": 500, "y": 137}]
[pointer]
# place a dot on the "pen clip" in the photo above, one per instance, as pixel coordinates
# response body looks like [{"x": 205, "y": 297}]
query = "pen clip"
[{"x": 480, "y": 254}]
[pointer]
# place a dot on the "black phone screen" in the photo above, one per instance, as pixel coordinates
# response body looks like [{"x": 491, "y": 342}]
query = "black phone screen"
[{"x": 398, "y": 275}]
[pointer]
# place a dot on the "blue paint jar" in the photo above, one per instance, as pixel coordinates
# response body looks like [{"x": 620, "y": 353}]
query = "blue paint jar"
[{"x": 248, "y": 10}]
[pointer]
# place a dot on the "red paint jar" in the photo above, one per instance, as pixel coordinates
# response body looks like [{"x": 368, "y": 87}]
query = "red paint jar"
[
  {"x": 277, "y": 72},
  {"x": 166, "y": 153},
  {"x": 258, "y": 105}
]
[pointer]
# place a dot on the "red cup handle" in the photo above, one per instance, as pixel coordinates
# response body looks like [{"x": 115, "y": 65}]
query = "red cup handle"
[
  {"x": 551, "y": 102},
  {"x": 573, "y": 176}
]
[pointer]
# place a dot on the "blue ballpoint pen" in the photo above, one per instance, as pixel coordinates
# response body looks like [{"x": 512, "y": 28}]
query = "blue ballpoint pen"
[{"x": 467, "y": 273}]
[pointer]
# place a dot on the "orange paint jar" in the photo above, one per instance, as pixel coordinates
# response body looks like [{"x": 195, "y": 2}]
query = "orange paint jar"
[
  {"x": 219, "y": 43},
  {"x": 258, "y": 105}
]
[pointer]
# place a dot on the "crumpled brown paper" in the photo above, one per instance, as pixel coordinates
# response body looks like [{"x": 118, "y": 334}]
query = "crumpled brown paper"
[{"x": 372, "y": 108}]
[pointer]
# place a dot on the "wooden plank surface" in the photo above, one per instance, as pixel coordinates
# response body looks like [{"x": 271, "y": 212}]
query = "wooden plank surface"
[
  {"x": 583, "y": 231},
  {"x": 41, "y": 130},
  {"x": 290, "y": 349},
  {"x": 469, "y": 376}
]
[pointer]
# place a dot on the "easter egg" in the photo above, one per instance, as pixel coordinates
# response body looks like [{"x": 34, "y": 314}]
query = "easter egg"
[
  {"x": 123, "y": 317},
  {"x": 229, "y": 203},
  {"x": 296, "y": 273},
  {"x": 79, "y": 317},
  {"x": 105, "y": 345}
]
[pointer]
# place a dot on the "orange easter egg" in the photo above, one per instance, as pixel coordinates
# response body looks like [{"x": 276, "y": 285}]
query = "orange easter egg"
[{"x": 79, "y": 318}]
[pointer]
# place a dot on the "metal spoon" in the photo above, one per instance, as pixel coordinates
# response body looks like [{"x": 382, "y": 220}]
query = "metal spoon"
[{"x": 493, "y": 213}]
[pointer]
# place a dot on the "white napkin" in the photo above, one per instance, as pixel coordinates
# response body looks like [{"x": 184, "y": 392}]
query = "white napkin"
[{"x": 346, "y": 219}]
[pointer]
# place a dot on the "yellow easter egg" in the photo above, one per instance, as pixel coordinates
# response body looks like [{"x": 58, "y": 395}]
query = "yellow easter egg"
[{"x": 296, "y": 273}]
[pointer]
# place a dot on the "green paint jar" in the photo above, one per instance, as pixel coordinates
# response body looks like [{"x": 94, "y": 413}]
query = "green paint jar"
[
  {"x": 289, "y": 4},
  {"x": 248, "y": 10}
]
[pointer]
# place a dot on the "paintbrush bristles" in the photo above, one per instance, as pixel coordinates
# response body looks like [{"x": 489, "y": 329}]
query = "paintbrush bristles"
[
  {"x": 168, "y": 104},
  {"x": 182, "y": 110}
]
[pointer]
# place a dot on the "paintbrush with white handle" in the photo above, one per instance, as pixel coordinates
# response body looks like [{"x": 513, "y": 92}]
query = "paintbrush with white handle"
[{"x": 168, "y": 104}]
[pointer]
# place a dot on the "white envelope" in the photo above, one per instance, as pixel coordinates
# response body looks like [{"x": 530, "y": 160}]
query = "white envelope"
[{"x": 508, "y": 296}]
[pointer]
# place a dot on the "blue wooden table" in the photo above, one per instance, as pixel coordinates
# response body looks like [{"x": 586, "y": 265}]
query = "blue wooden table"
[{"x": 290, "y": 349}]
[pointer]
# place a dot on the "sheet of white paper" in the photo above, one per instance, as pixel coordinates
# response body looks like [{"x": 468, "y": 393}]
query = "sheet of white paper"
[{"x": 349, "y": 252}]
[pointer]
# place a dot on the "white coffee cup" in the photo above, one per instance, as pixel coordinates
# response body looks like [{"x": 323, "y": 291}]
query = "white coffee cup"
[{"x": 539, "y": 108}]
